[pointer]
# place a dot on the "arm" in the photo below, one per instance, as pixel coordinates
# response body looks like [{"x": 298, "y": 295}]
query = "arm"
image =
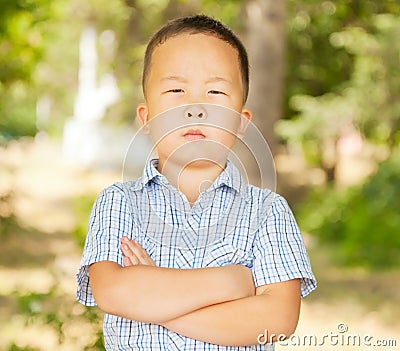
[
  {"x": 275, "y": 308},
  {"x": 156, "y": 294},
  {"x": 235, "y": 323}
]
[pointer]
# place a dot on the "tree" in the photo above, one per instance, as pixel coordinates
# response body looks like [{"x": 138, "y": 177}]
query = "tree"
[{"x": 265, "y": 40}]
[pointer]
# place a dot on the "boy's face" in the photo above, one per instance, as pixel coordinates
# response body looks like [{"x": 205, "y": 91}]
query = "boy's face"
[{"x": 191, "y": 69}]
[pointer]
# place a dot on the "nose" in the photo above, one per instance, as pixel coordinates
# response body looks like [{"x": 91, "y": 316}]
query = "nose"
[{"x": 195, "y": 111}]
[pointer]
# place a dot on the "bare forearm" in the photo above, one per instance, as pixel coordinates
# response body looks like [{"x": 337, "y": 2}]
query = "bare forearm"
[
  {"x": 240, "y": 322},
  {"x": 155, "y": 294}
]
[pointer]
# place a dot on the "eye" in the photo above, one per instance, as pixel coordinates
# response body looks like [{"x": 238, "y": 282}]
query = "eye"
[
  {"x": 175, "y": 91},
  {"x": 216, "y": 92}
]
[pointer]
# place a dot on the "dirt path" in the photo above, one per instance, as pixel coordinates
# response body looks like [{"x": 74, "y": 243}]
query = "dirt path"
[
  {"x": 38, "y": 257},
  {"x": 38, "y": 260}
]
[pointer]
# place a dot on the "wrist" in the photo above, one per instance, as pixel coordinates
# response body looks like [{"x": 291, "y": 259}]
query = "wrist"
[{"x": 238, "y": 282}]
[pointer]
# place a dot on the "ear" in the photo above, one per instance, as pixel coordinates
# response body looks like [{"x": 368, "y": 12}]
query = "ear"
[
  {"x": 245, "y": 118},
  {"x": 142, "y": 112}
]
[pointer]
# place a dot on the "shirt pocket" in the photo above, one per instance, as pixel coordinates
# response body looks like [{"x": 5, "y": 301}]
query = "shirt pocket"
[{"x": 224, "y": 253}]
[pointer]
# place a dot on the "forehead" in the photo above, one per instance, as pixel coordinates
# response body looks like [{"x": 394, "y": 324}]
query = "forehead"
[{"x": 185, "y": 53}]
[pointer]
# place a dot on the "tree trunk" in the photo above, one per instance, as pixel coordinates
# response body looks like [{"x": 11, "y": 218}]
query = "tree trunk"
[{"x": 265, "y": 41}]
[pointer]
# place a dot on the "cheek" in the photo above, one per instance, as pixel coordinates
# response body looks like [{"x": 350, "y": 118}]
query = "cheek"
[
  {"x": 229, "y": 139},
  {"x": 221, "y": 136},
  {"x": 167, "y": 140}
]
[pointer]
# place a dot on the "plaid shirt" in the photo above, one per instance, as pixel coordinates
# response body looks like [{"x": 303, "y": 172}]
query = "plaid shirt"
[{"x": 259, "y": 229}]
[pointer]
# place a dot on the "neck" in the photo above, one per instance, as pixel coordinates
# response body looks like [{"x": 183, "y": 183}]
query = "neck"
[{"x": 193, "y": 178}]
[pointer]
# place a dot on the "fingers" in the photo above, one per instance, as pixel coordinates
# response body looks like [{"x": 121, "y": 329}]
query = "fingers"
[
  {"x": 130, "y": 258},
  {"x": 142, "y": 255},
  {"x": 127, "y": 262},
  {"x": 135, "y": 253}
]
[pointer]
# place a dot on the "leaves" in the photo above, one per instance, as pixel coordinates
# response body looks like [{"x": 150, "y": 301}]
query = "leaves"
[
  {"x": 361, "y": 222},
  {"x": 368, "y": 101}
]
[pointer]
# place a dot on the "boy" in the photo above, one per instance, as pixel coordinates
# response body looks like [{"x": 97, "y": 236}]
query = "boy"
[{"x": 219, "y": 296}]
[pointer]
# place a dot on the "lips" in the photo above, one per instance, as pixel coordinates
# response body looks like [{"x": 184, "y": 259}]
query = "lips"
[{"x": 194, "y": 134}]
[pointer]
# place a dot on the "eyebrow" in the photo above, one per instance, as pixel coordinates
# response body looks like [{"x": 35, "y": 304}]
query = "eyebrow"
[
  {"x": 218, "y": 79},
  {"x": 177, "y": 78},
  {"x": 184, "y": 80}
]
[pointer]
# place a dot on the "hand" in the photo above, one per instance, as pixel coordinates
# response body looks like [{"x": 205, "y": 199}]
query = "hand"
[{"x": 134, "y": 253}]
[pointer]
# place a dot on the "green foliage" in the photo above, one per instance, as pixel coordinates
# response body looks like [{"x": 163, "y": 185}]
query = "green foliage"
[
  {"x": 34, "y": 306},
  {"x": 227, "y": 11},
  {"x": 314, "y": 65},
  {"x": 15, "y": 347},
  {"x": 17, "y": 112},
  {"x": 93, "y": 316},
  {"x": 8, "y": 221},
  {"x": 362, "y": 222},
  {"x": 368, "y": 100},
  {"x": 23, "y": 39},
  {"x": 98, "y": 345},
  {"x": 82, "y": 207},
  {"x": 374, "y": 88},
  {"x": 321, "y": 119},
  {"x": 45, "y": 309}
]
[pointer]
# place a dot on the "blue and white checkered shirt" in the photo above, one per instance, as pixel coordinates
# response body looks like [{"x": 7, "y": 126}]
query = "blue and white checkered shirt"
[{"x": 259, "y": 229}]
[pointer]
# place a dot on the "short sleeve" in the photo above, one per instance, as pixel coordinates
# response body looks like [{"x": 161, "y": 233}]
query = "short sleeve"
[
  {"x": 109, "y": 221},
  {"x": 279, "y": 251}
]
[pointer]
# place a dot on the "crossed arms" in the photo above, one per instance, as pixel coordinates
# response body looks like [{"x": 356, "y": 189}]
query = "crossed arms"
[{"x": 219, "y": 305}]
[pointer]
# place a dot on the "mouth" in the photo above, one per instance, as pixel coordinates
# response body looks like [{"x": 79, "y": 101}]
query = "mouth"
[{"x": 194, "y": 134}]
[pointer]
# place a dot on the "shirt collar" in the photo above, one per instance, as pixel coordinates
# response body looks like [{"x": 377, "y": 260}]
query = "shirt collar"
[
  {"x": 230, "y": 177},
  {"x": 150, "y": 172}
]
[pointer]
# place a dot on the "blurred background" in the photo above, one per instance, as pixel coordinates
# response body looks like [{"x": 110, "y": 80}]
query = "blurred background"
[{"x": 325, "y": 92}]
